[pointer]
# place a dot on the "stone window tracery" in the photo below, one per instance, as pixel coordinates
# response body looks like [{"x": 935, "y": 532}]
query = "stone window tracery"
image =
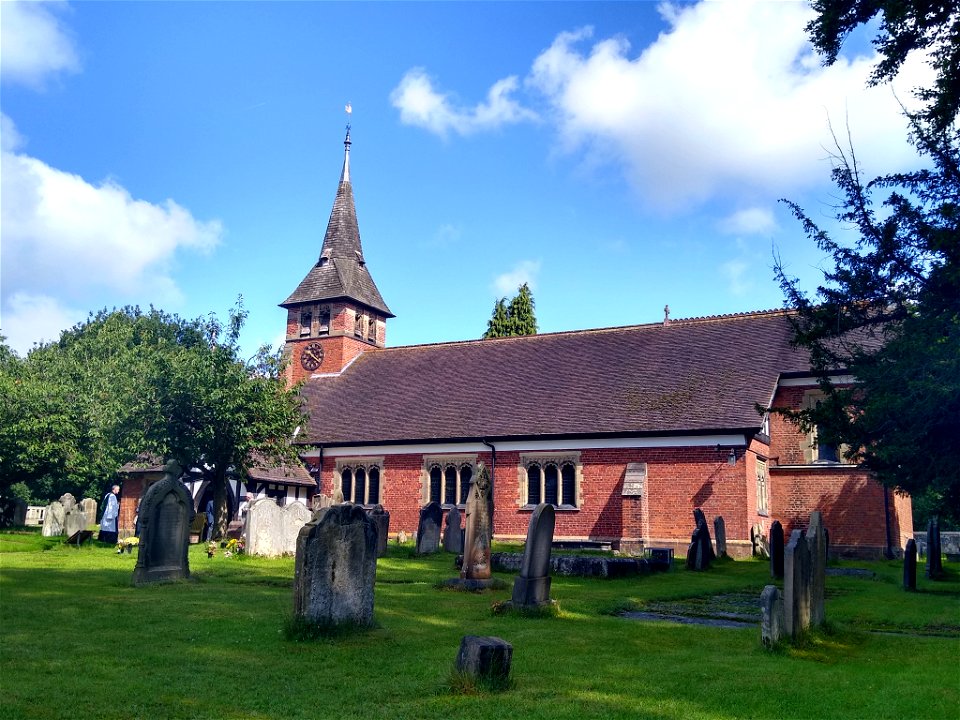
[
  {"x": 553, "y": 479},
  {"x": 447, "y": 479},
  {"x": 360, "y": 480}
]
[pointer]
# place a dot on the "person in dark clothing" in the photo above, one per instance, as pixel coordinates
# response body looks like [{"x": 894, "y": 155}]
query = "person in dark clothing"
[{"x": 208, "y": 528}]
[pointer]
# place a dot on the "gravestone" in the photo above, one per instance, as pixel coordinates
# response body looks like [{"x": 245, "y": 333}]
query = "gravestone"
[
  {"x": 453, "y": 532},
  {"x": 485, "y": 658},
  {"x": 776, "y": 550},
  {"x": 700, "y": 550},
  {"x": 19, "y": 517},
  {"x": 89, "y": 506},
  {"x": 910, "y": 565},
  {"x": 428, "y": 531},
  {"x": 817, "y": 544},
  {"x": 758, "y": 541},
  {"x": 401, "y": 537},
  {"x": 272, "y": 531},
  {"x": 68, "y": 501},
  {"x": 796, "y": 584},
  {"x": 166, "y": 512},
  {"x": 720, "y": 533},
  {"x": 478, "y": 528},
  {"x": 771, "y": 616},
  {"x": 53, "y": 520},
  {"x": 381, "y": 518},
  {"x": 934, "y": 550},
  {"x": 75, "y": 521},
  {"x": 532, "y": 587},
  {"x": 336, "y": 568}
]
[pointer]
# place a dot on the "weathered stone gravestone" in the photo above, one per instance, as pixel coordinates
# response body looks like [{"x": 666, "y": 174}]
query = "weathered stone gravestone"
[
  {"x": 910, "y": 565},
  {"x": 934, "y": 550},
  {"x": 68, "y": 501},
  {"x": 776, "y": 550},
  {"x": 89, "y": 506},
  {"x": 54, "y": 520},
  {"x": 381, "y": 518},
  {"x": 796, "y": 584},
  {"x": 486, "y": 659},
  {"x": 321, "y": 501},
  {"x": 272, "y": 531},
  {"x": 75, "y": 520},
  {"x": 758, "y": 541},
  {"x": 817, "y": 544},
  {"x": 336, "y": 568},
  {"x": 401, "y": 537},
  {"x": 166, "y": 511},
  {"x": 453, "y": 532},
  {"x": 720, "y": 533},
  {"x": 771, "y": 616},
  {"x": 428, "y": 531},
  {"x": 532, "y": 587},
  {"x": 700, "y": 550},
  {"x": 478, "y": 529}
]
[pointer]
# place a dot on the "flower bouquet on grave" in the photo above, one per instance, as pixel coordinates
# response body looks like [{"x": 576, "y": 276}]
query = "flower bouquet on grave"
[
  {"x": 211, "y": 549},
  {"x": 234, "y": 546}
]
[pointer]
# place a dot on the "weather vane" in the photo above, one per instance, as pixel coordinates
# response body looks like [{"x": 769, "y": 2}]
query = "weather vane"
[{"x": 348, "y": 108}]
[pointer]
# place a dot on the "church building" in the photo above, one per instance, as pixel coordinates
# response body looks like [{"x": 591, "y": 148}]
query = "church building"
[{"x": 625, "y": 430}]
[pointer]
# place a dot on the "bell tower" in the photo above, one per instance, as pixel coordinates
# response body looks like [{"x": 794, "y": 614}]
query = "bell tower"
[{"x": 336, "y": 312}]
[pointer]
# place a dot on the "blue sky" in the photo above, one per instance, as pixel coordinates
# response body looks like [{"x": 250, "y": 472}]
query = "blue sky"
[{"x": 617, "y": 156}]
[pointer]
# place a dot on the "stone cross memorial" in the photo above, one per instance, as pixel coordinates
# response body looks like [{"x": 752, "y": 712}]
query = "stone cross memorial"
[
  {"x": 428, "y": 531},
  {"x": 479, "y": 529},
  {"x": 453, "y": 532},
  {"x": 910, "y": 565},
  {"x": 54, "y": 520},
  {"x": 776, "y": 550},
  {"x": 381, "y": 518},
  {"x": 336, "y": 567},
  {"x": 532, "y": 587},
  {"x": 166, "y": 512}
]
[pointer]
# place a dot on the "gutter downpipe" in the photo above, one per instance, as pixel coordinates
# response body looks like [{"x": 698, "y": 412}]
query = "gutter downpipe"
[
  {"x": 493, "y": 475},
  {"x": 888, "y": 554}
]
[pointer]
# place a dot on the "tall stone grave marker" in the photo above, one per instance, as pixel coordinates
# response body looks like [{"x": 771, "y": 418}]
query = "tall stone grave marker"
[
  {"x": 479, "y": 529},
  {"x": 532, "y": 587},
  {"x": 53, "y": 520},
  {"x": 89, "y": 506},
  {"x": 771, "y": 616},
  {"x": 19, "y": 517},
  {"x": 700, "y": 552},
  {"x": 74, "y": 521},
  {"x": 381, "y": 518},
  {"x": 166, "y": 512},
  {"x": 428, "y": 531},
  {"x": 934, "y": 549},
  {"x": 910, "y": 565},
  {"x": 796, "y": 584},
  {"x": 272, "y": 531},
  {"x": 776, "y": 550},
  {"x": 817, "y": 544},
  {"x": 453, "y": 532},
  {"x": 720, "y": 533},
  {"x": 68, "y": 501},
  {"x": 336, "y": 567}
]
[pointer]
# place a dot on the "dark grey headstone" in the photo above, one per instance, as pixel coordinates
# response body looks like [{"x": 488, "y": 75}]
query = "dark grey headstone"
[
  {"x": 381, "y": 518},
  {"x": 428, "y": 531},
  {"x": 934, "y": 551},
  {"x": 700, "y": 552},
  {"x": 532, "y": 587},
  {"x": 776, "y": 550},
  {"x": 720, "y": 533},
  {"x": 479, "y": 528},
  {"x": 19, "y": 517},
  {"x": 453, "y": 532},
  {"x": 771, "y": 616},
  {"x": 796, "y": 584},
  {"x": 485, "y": 658},
  {"x": 166, "y": 512},
  {"x": 336, "y": 567},
  {"x": 910, "y": 565}
]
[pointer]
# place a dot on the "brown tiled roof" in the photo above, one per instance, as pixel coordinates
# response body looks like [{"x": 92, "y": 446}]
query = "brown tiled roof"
[
  {"x": 281, "y": 473},
  {"x": 145, "y": 462},
  {"x": 689, "y": 376},
  {"x": 341, "y": 271}
]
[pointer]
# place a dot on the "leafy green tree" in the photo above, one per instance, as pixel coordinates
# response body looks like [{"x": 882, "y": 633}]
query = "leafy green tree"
[
  {"x": 889, "y": 309},
  {"x": 516, "y": 318}
]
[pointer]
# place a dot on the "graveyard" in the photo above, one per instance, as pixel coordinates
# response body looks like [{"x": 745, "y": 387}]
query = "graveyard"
[{"x": 80, "y": 640}]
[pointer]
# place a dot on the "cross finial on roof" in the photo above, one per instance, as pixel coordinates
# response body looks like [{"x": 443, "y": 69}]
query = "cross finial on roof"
[
  {"x": 666, "y": 314},
  {"x": 345, "y": 175}
]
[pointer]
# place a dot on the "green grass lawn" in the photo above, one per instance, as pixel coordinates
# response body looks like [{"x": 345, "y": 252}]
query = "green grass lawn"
[{"x": 77, "y": 641}]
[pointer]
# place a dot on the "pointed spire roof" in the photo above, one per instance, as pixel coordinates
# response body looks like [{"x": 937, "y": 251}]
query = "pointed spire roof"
[{"x": 341, "y": 272}]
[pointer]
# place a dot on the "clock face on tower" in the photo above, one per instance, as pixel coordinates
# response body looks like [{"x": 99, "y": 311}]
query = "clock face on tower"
[{"x": 312, "y": 356}]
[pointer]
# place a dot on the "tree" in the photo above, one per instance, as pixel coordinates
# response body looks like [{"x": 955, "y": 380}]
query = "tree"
[
  {"x": 516, "y": 318},
  {"x": 927, "y": 25},
  {"x": 889, "y": 310}
]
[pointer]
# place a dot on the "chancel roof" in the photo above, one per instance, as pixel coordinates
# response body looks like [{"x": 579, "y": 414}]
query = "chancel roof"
[
  {"x": 340, "y": 272},
  {"x": 682, "y": 377}
]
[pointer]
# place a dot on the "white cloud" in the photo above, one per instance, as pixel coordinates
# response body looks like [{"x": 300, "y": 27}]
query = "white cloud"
[
  {"x": 749, "y": 221},
  {"x": 729, "y": 101},
  {"x": 29, "y": 319},
  {"x": 526, "y": 271},
  {"x": 33, "y": 43},
  {"x": 421, "y": 105},
  {"x": 65, "y": 239},
  {"x": 737, "y": 273}
]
